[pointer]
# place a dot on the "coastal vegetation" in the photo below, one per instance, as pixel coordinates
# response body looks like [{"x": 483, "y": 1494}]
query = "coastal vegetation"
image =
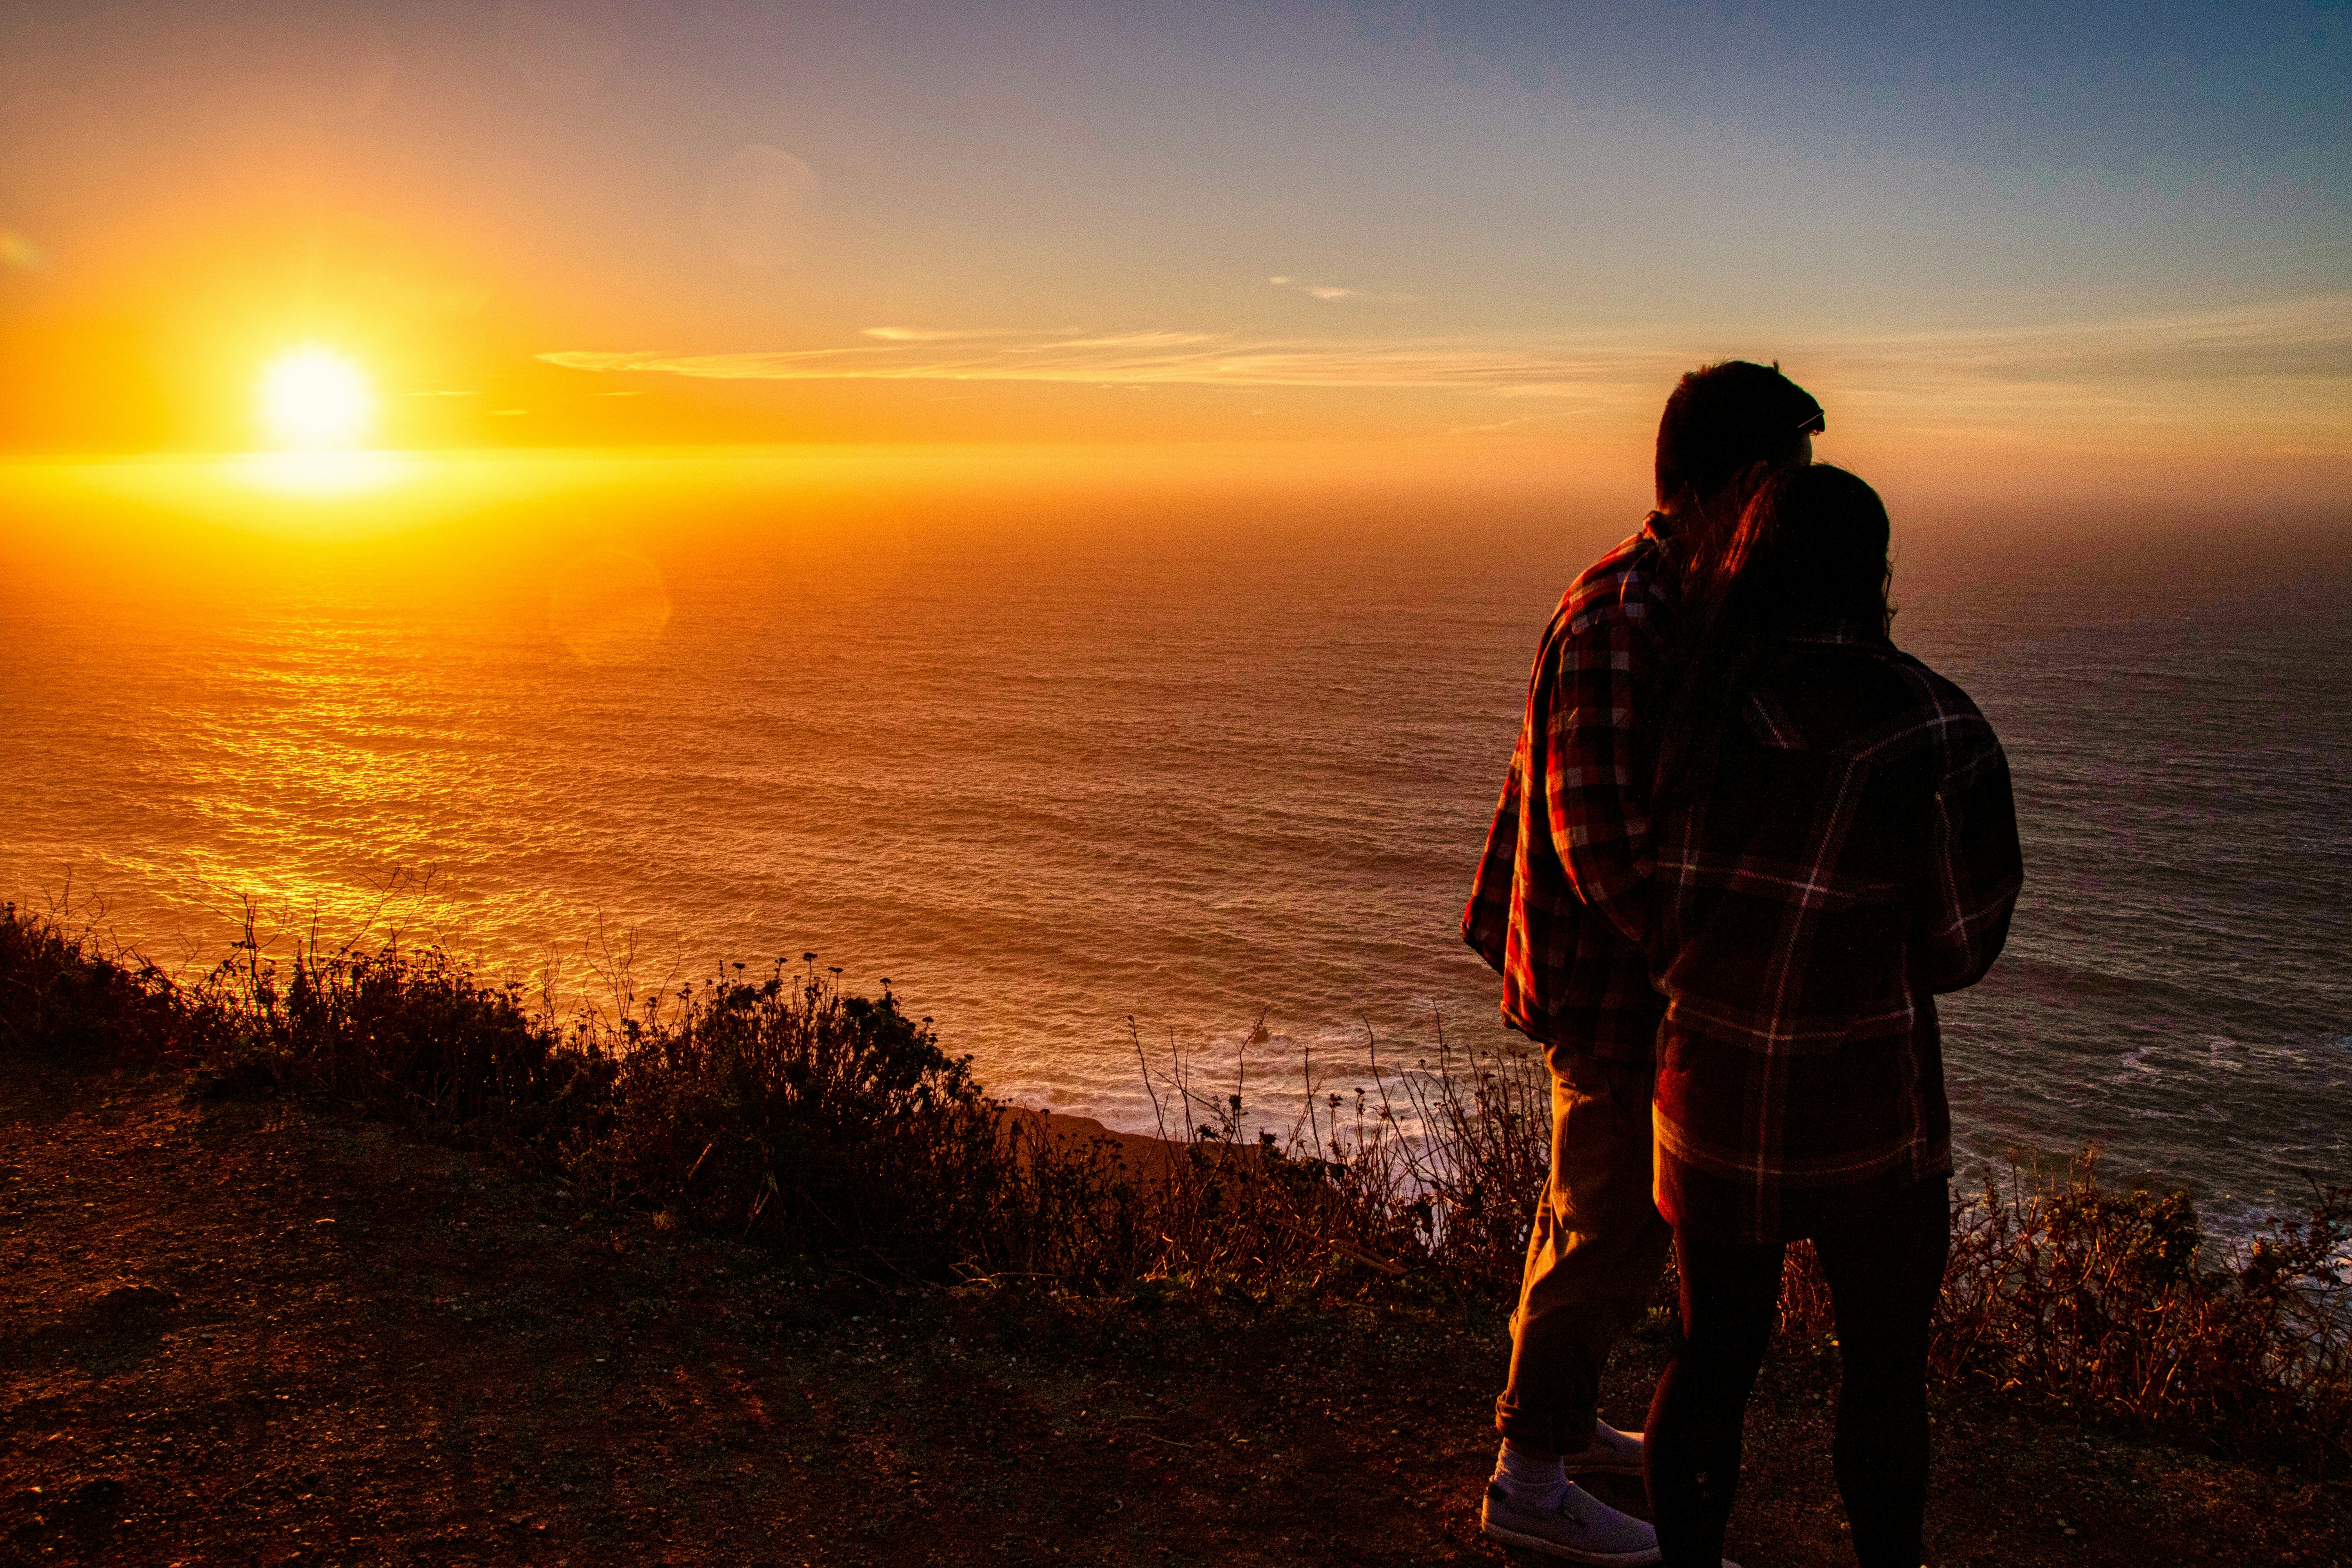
[{"x": 772, "y": 1109}]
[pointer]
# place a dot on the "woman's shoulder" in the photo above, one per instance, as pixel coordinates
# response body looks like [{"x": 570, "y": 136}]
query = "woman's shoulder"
[
  {"x": 1933, "y": 713},
  {"x": 1863, "y": 695},
  {"x": 1934, "y": 692}
]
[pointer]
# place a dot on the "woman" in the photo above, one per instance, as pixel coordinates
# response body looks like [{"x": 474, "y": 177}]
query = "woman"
[{"x": 1836, "y": 844}]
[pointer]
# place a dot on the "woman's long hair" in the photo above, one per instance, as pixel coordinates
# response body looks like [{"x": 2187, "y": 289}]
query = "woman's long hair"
[{"x": 1808, "y": 551}]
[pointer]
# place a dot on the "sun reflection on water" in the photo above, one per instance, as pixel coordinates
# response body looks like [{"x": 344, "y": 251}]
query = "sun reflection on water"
[
  {"x": 322, "y": 474},
  {"x": 322, "y": 496}
]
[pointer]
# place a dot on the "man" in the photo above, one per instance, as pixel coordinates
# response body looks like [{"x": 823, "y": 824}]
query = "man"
[{"x": 1555, "y": 909}]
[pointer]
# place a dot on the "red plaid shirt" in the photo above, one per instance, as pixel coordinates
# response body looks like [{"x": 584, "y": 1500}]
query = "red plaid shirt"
[
  {"x": 1561, "y": 892},
  {"x": 1856, "y": 854}
]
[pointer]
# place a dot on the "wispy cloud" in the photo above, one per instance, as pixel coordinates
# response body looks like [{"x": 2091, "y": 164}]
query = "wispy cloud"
[
  {"x": 2281, "y": 355},
  {"x": 1149, "y": 358},
  {"x": 2269, "y": 338},
  {"x": 1502, "y": 425},
  {"x": 2281, "y": 360},
  {"x": 935, "y": 334},
  {"x": 17, "y": 251},
  {"x": 1332, "y": 293}
]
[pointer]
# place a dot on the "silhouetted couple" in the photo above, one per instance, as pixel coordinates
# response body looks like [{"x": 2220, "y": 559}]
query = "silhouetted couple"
[{"x": 1743, "y": 843}]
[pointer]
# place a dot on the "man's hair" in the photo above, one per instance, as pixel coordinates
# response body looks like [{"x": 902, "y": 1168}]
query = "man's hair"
[{"x": 1723, "y": 419}]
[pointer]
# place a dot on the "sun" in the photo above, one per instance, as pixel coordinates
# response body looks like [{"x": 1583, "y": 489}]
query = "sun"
[{"x": 313, "y": 397}]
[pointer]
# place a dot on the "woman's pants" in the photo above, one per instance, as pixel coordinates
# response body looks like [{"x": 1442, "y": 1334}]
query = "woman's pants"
[{"x": 1884, "y": 1275}]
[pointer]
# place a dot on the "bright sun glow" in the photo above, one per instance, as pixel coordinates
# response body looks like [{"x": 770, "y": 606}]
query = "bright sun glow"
[{"x": 314, "y": 398}]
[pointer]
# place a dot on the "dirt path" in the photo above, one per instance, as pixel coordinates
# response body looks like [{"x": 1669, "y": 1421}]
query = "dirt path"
[{"x": 240, "y": 1334}]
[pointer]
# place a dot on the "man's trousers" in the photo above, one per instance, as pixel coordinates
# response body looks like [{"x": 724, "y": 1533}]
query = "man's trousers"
[{"x": 1593, "y": 1257}]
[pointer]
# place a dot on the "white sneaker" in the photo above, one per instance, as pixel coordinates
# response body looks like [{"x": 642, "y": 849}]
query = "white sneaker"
[
  {"x": 1610, "y": 1453},
  {"x": 1580, "y": 1528}
]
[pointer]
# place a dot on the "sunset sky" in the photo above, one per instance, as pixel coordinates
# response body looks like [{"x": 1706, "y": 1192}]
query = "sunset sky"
[{"x": 2096, "y": 248}]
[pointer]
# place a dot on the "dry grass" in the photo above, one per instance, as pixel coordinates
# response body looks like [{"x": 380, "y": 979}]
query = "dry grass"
[
  {"x": 2080, "y": 1298},
  {"x": 62, "y": 997},
  {"x": 1427, "y": 1173},
  {"x": 777, "y": 1109}
]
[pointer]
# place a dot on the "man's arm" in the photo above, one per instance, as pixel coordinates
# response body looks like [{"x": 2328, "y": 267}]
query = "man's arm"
[
  {"x": 1599, "y": 751},
  {"x": 1486, "y": 919}
]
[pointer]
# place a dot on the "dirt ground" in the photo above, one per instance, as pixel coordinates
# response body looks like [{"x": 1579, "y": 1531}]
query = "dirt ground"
[{"x": 259, "y": 1334}]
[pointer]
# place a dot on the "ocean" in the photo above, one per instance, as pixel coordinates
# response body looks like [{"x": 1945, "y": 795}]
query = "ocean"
[{"x": 1080, "y": 780}]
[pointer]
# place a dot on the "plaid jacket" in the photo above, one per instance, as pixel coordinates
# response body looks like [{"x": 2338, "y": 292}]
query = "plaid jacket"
[
  {"x": 1856, "y": 854},
  {"x": 1560, "y": 896}
]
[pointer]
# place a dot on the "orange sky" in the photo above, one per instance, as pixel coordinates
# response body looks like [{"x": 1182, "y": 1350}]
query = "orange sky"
[{"x": 620, "y": 225}]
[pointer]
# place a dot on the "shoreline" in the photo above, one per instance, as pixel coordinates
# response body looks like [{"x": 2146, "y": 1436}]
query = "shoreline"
[{"x": 1276, "y": 1096}]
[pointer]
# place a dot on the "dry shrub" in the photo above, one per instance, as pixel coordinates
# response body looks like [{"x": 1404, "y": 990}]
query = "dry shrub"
[
  {"x": 1426, "y": 1173},
  {"x": 63, "y": 996},
  {"x": 2066, "y": 1296},
  {"x": 786, "y": 1111},
  {"x": 407, "y": 1036},
  {"x": 782, "y": 1110}
]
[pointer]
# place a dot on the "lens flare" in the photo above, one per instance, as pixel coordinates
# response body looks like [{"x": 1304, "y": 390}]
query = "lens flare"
[{"x": 314, "y": 398}]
